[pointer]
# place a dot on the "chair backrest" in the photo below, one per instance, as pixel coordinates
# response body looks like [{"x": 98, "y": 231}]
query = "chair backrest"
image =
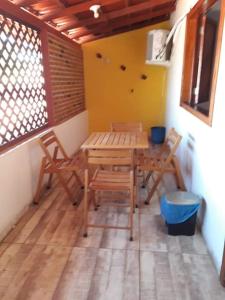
[
  {"x": 52, "y": 147},
  {"x": 127, "y": 127},
  {"x": 170, "y": 145},
  {"x": 110, "y": 157}
]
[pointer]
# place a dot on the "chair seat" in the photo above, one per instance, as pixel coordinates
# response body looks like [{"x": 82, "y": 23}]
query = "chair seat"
[
  {"x": 63, "y": 165},
  {"x": 110, "y": 181},
  {"x": 154, "y": 164}
]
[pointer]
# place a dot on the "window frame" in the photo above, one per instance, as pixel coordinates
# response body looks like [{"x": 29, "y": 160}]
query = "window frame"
[
  {"x": 13, "y": 11},
  {"x": 190, "y": 57},
  {"x": 11, "y": 144}
]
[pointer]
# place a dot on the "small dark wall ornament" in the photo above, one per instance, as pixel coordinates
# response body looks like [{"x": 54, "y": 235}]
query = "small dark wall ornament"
[
  {"x": 123, "y": 67},
  {"x": 99, "y": 55},
  {"x": 144, "y": 77}
]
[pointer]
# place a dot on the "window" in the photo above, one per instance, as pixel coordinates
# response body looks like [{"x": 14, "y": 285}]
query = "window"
[
  {"x": 23, "y": 106},
  {"x": 201, "y": 61}
]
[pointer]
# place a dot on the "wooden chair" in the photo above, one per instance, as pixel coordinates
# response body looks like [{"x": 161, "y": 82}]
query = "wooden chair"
[
  {"x": 124, "y": 127},
  {"x": 164, "y": 161},
  {"x": 128, "y": 127},
  {"x": 56, "y": 162},
  {"x": 109, "y": 180}
]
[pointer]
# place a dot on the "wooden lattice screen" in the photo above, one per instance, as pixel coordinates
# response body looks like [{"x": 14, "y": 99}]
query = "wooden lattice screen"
[
  {"x": 67, "y": 79},
  {"x": 23, "y": 106}
]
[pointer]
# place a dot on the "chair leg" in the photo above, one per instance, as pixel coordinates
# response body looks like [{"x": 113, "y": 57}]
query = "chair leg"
[
  {"x": 141, "y": 174},
  {"x": 98, "y": 199},
  {"x": 178, "y": 175},
  {"x": 131, "y": 205},
  {"x": 78, "y": 179},
  {"x": 93, "y": 199},
  {"x": 85, "y": 208},
  {"x": 40, "y": 179},
  {"x": 152, "y": 190},
  {"x": 49, "y": 184},
  {"x": 65, "y": 186},
  {"x": 135, "y": 205},
  {"x": 146, "y": 179}
]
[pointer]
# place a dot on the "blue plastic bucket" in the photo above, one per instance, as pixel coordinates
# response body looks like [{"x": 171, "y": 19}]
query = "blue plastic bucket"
[{"x": 158, "y": 134}]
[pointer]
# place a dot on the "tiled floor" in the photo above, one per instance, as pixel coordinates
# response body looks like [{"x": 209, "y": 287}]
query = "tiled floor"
[{"x": 46, "y": 257}]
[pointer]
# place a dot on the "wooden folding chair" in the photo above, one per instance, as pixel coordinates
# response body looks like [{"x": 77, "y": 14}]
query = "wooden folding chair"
[
  {"x": 111, "y": 181},
  {"x": 124, "y": 127},
  {"x": 165, "y": 161},
  {"x": 56, "y": 162}
]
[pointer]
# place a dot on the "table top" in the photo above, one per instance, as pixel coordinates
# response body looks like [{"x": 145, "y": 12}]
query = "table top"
[{"x": 116, "y": 140}]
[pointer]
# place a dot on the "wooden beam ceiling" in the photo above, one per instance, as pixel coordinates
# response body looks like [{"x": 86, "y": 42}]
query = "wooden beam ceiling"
[
  {"x": 84, "y": 38},
  {"x": 73, "y": 17},
  {"x": 25, "y": 2},
  {"x": 101, "y": 29},
  {"x": 75, "y": 9}
]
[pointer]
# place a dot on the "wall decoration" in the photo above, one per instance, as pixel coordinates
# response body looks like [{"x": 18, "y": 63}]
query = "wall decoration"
[
  {"x": 99, "y": 55},
  {"x": 144, "y": 77},
  {"x": 123, "y": 67}
]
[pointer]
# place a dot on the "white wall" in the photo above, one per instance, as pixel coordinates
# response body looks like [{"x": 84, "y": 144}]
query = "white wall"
[
  {"x": 19, "y": 169},
  {"x": 202, "y": 153}
]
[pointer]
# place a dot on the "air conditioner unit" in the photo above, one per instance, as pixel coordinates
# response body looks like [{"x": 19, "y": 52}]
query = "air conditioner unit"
[{"x": 158, "y": 53}]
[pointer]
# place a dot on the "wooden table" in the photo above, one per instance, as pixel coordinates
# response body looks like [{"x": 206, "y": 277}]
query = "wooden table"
[{"x": 116, "y": 140}]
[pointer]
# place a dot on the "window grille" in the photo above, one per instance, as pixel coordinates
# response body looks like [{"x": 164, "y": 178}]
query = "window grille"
[{"x": 23, "y": 106}]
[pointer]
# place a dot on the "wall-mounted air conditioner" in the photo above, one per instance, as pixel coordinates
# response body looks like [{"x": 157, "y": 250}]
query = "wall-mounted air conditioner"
[
  {"x": 160, "y": 43},
  {"x": 157, "y": 51}
]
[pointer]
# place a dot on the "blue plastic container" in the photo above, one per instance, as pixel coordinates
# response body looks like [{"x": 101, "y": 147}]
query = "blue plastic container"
[{"x": 158, "y": 134}]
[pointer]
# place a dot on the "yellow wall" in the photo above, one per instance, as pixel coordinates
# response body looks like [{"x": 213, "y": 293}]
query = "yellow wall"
[{"x": 108, "y": 89}]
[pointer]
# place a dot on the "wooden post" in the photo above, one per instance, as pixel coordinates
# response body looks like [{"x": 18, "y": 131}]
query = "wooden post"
[{"x": 222, "y": 272}]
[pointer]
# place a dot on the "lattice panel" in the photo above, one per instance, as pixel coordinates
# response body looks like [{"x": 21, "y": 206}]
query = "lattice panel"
[
  {"x": 67, "y": 78},
  {"x": 23, "y": 106}
]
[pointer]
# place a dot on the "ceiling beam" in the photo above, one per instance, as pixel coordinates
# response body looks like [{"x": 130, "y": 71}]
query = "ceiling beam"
[
  {"x": 138, "y": 7},
  {"x": 74, "y": 9},
  {"x": 25, "y": 2},
  {"x": 71, "y": 2},
  {"x": 120, "y": 24},
  {"x": 143, "y": 6},
  {"x": 80, "y": 31},
  {"x": 89, "y": 38},
  {"x": 71, "y": 24},
  {"x": 85, "y": 39}
]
